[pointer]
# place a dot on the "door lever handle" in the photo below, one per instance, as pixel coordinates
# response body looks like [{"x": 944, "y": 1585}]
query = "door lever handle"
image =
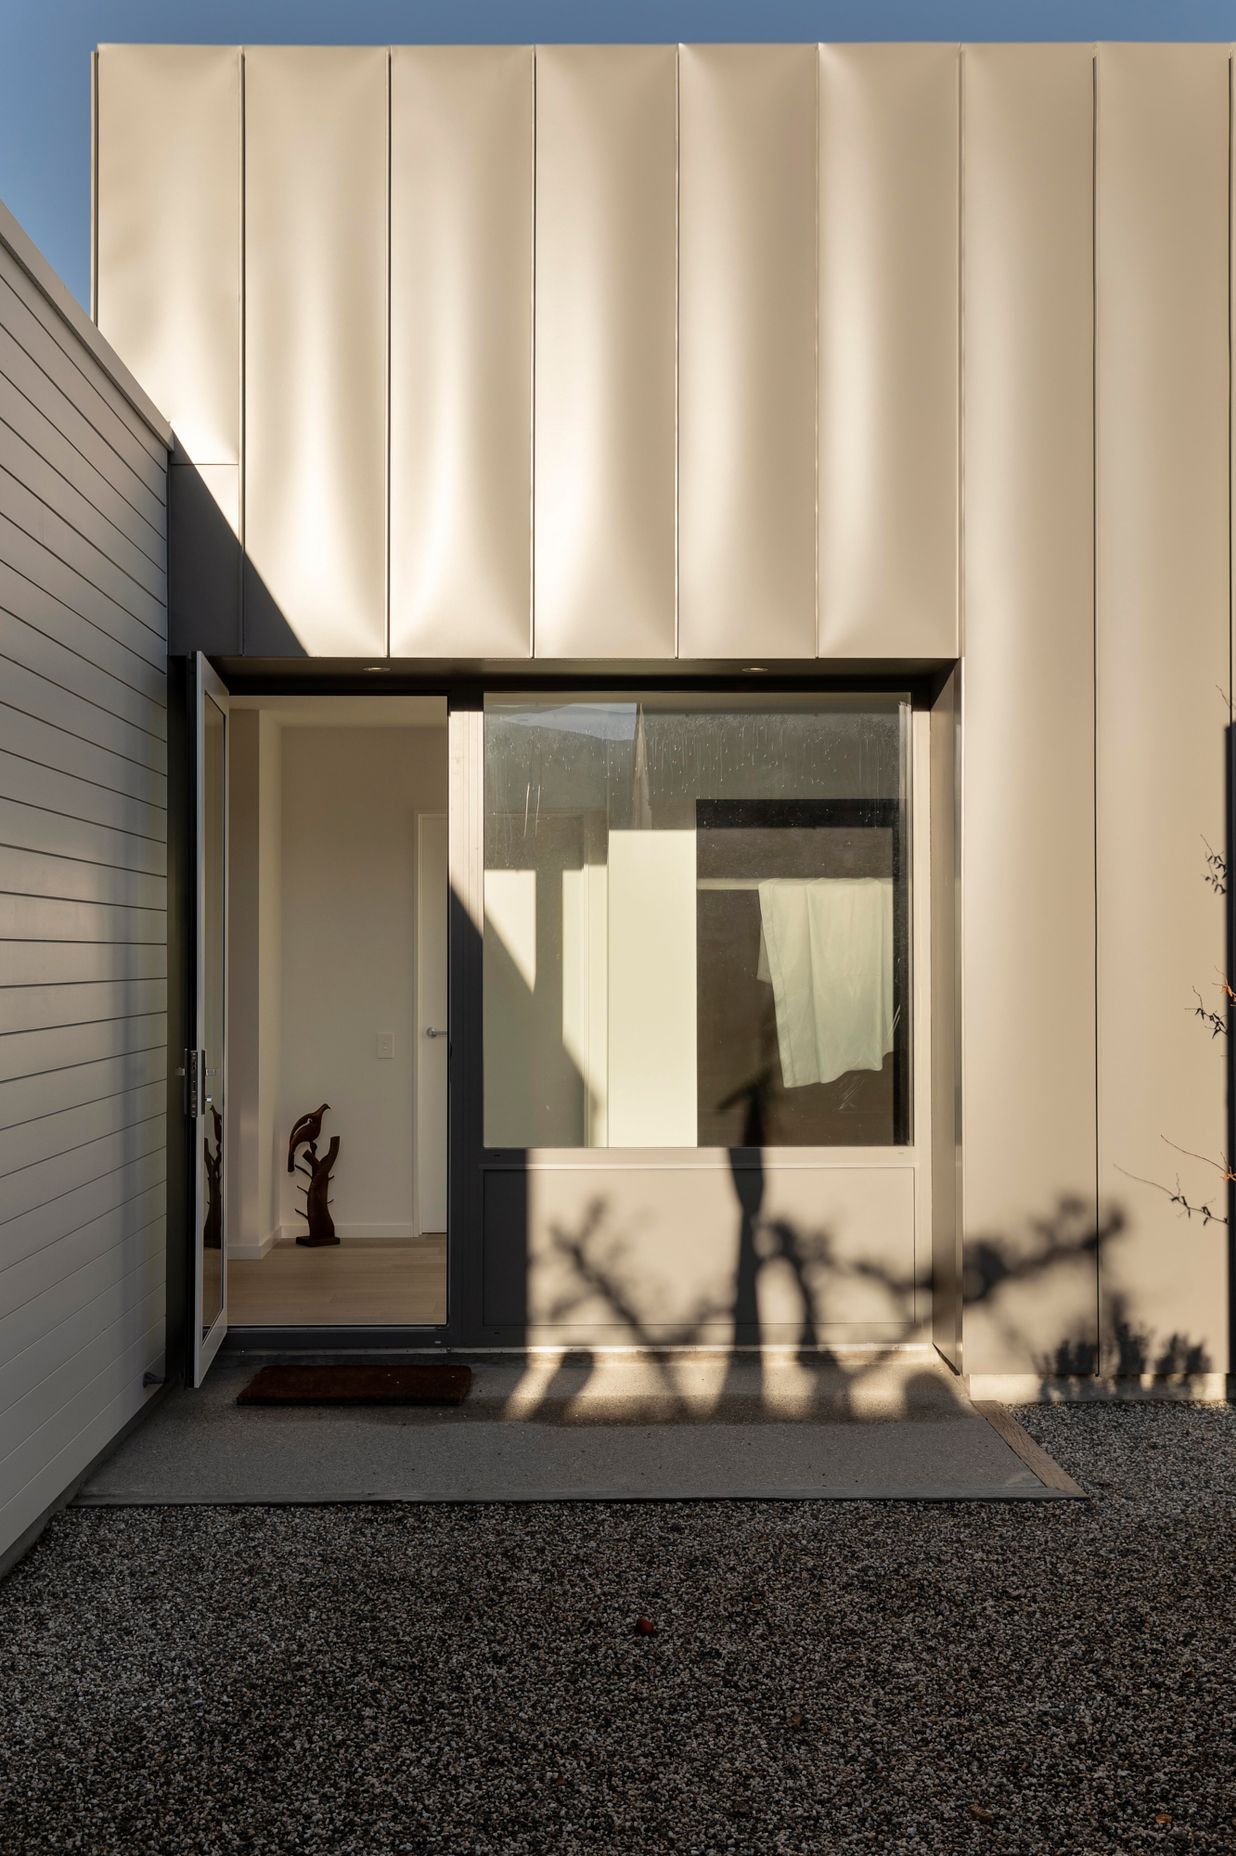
[{"x": 431, "y": 1033}]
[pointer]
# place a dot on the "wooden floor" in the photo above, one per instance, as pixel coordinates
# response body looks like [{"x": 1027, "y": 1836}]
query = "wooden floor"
[{"x": 351, "y": 1284}]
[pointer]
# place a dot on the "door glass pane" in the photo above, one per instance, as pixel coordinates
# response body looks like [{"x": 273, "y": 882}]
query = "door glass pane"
[
  {"x": 696, "y": 921},
  {"x": 213, "y": 931}
]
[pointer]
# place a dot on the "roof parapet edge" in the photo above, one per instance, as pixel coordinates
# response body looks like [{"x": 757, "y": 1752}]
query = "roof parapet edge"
[{"x": 29, "y": 258}]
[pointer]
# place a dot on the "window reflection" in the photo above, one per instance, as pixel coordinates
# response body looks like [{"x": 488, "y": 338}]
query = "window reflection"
[{"x": 696, "y": 920}]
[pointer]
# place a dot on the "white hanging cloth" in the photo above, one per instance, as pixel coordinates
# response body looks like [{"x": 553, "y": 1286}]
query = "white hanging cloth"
[{"x": 826, "y": 945}]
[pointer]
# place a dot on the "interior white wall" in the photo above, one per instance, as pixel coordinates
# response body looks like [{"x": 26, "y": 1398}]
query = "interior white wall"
[
  {"x": 254, "y": 1003},
  {"x": 652, "y": 989},
  {"x": 347, "y": 955},
  {"x": 585, "y": 980},
  {"x": 535, "y": 1079},
  {"x": 590, "y": 991},
  {"x": 269, "y": 949},
  {"x": 242, "y": 1139}
]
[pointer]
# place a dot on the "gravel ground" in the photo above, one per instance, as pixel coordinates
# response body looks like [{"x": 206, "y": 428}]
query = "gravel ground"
[{"x": 821, "y": 1677}]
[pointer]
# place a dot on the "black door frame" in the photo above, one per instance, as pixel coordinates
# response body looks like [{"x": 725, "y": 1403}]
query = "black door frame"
[
  {"x": 464, "y": 687},
  {"x": 290, "y": 1339}
]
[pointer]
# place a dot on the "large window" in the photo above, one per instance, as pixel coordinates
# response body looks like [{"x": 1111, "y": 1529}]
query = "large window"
[{"x": 696, "y": 921}]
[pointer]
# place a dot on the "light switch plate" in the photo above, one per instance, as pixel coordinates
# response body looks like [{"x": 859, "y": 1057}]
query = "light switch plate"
[{"x": 386, "y": 1043}]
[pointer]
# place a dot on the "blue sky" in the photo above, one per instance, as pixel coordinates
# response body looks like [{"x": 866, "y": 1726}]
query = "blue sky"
[{"x": 45, "y": 48}]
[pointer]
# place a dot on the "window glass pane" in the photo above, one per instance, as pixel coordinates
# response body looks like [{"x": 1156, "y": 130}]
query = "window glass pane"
[{"x": 696, "y": 921}]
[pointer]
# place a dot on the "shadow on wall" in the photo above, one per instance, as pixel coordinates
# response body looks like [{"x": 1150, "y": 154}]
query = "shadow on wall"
[
  {"x": 204, "y": 564},
  {"x": 829, "y": 1383},
  {"x": 596, "y": 1258},
  {"x": 1137, "y": 1351},
  {"x": 218, "y": 601},
  {"x": 596, "y": 1275}
]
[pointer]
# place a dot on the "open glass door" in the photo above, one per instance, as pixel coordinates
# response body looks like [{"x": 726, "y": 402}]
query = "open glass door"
[{"x": 206, "y": 1062}]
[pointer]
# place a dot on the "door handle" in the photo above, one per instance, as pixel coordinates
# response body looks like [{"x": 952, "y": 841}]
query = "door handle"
[{"x": 431, "y": 1033}]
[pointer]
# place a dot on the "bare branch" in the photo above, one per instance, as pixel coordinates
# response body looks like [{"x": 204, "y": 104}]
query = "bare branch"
[
  {"x": 1214, "y": 1021},
  {"x": 1221, "y": 1166},
  {"x": 1215, "y": 872},
  {"x": 1205, "y": 1212}
]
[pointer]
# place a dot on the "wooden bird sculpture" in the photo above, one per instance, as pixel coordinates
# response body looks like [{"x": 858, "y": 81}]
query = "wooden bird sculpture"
[{"x": 307, "y": 1129}]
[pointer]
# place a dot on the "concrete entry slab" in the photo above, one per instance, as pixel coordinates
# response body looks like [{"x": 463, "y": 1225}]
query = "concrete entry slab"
[{"x": 623, "y": 1429}]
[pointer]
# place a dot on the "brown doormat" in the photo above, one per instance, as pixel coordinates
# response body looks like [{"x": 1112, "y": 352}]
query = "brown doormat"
[{"x": 358, "y": 1385}]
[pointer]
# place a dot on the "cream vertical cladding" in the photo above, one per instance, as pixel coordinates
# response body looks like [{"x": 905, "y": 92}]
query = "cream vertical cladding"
[
  {"x": 168, "y": 219},
  {"x": 1163, "y": 643},
  {"x": 747, "y": 315},
  {"x": 888, "y": 256},
  {"x": 944, "y": 744},
  {"x": 606, "y": 298},
  {"x": 1028, "y": 930},
  {"x": 461, "y": 351},
  {"x": 315, "y": 350},
  {"x": 168, "y": 287}
]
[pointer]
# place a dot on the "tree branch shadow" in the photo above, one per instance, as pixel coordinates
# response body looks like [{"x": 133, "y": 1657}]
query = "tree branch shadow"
[{"x": 604, "y": 1267}]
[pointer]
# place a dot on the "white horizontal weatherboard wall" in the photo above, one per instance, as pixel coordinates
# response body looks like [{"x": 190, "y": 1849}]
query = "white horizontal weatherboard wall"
[{"x": 83, "y": 854}]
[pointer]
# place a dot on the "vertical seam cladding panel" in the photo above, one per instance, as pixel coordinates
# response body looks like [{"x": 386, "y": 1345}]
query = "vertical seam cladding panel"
[
  {"x": 461, "y": 267},
  {"x": 605, "y": 373},
  {"x": 747, "y": 309},
  {"x": 1163, "y": 650},
  {"x": 1028, "y": 596},
  {"x": 171, "y": 234},
  {"x": 888, "y": 339},
  {"x": 315, "y": 350}
]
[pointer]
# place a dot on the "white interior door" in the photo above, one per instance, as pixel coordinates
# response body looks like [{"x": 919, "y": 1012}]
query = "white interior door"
[
  {"x": 206, "y": 1062},
  {"x": 430, "y": 1157}
]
